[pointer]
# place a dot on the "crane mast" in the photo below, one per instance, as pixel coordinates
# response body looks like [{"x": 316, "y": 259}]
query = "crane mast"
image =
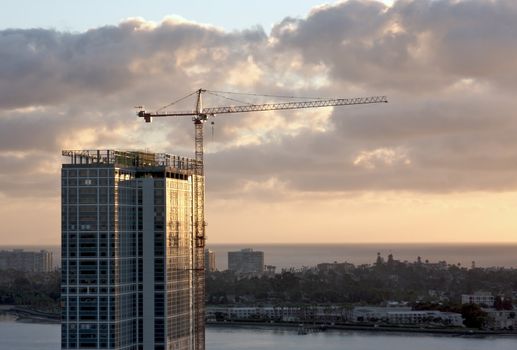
[
  {"x": 199, "y": 184},
  {"x": 198, "y": 225},
  {"x": 199, "y": 117}
]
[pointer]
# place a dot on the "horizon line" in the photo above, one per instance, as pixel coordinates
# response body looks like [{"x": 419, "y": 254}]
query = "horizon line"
[{"x": 309, "y": 243}]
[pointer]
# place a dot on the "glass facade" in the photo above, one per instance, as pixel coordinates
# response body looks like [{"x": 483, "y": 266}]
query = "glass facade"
[{"x": 128, "y": 253}]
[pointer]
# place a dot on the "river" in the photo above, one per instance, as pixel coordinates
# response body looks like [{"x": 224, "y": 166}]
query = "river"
[{"x": 35, "y": 336}]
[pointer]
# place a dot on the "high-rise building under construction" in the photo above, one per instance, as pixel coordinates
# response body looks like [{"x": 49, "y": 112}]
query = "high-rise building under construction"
[{"x": 132, "y": 266}]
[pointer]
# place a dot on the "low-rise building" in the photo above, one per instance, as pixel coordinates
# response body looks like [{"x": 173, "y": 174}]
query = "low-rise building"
[
  {"x": 414, "y": 317},
  {"x": 406, "y": 316},
  {"x": 336, "y": 314},
  {"x": 479, "y": 298},
  {"x": 501, "y": 319},
  {"x": 282, "y": 313},
  {"x": 374, "y": 313}
]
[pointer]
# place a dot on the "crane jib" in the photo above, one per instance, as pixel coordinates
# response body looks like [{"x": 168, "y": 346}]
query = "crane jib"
[{"x": 273, "y": 106}]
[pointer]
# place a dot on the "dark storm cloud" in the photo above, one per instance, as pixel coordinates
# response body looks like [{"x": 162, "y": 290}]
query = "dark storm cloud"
[{"x": 447, "y": 66}]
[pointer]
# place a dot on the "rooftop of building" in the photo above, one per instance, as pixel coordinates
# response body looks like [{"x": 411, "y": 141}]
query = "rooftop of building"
[{"x": 125, "y": 158}]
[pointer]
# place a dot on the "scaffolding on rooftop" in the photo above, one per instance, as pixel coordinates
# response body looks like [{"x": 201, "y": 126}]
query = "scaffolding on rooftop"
[{"x": 129, "y": 159}]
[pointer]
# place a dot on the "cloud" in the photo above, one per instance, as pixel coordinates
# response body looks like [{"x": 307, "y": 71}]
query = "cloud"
[
  {"x": 418, "y": 45},
  {"x": 446, "y": 65},
  {"x": 381, "y": 157}
]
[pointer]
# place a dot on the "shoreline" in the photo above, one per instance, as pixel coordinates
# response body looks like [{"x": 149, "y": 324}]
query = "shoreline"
[
  {"x": 362, "y": 328},
  {"x": 26, "y": 315},
  {"x": 23, "y": 315}
]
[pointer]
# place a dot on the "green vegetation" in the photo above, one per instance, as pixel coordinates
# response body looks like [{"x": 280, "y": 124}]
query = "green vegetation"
[
  {"x": 36, "y": 290},
  {"x": 381, "y": 282},
  {"x": 423, "y": 285}
]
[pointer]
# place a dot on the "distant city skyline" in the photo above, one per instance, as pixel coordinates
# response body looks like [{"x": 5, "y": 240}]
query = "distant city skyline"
[
  {"x": 435, "y": 164},
  {"x": 298, "y": 255}
]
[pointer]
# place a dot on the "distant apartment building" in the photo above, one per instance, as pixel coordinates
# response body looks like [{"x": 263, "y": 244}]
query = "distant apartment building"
[
  {"x": 21, "y": 260},
  {"x": 210, "y": 260},
  {"x": 132, "y": 266},
  {"x": 480, "y": 298},
  {"x": 246, "y": 261}
]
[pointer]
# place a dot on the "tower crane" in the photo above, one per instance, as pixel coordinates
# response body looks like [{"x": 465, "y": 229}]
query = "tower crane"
[{"x": 199, "y": 116}]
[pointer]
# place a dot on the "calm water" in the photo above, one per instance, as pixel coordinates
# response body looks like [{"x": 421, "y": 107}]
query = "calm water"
[
  {"x": 298, "y": 255},
  {"x": 29, "y": 336}
]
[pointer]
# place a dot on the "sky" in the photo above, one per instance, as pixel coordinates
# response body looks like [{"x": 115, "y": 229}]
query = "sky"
[
  {"x": 83, "y": 15},
  {"x": 438, "y": 163}
]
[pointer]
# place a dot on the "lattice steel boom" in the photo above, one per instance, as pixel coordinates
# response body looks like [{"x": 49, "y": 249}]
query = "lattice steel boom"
[{"x": 212, "y": 111}]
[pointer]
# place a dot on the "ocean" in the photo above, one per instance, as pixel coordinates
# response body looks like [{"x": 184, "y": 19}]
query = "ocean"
[{"x": 299, "y": 255}]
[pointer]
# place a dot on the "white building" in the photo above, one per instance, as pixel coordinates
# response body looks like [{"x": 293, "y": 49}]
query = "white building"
[
  {"x": 425, "y": 317},
  {"x": 331, "y": 314},
  {"x": 374, "y": 313},
  {"x": 406, "y": 316},
  {"x": 285, "y": 314},
  {"x": 480, "y": 298}
]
